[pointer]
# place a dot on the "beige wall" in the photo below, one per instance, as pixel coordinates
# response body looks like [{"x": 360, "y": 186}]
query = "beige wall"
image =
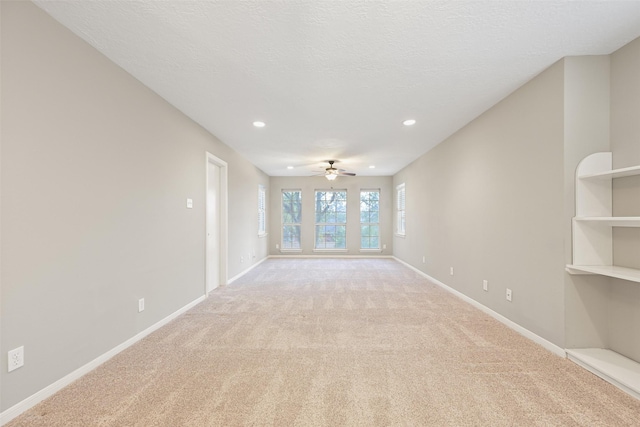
[
  {"x": 586, "y": 117},
  {"x": 488, "y": 202},
  {"x": 495, "y": 201},
  {"x": 624, "y": 311},
  {"x": 353, "y": 185},
  {"x": 96, "y": 170}
]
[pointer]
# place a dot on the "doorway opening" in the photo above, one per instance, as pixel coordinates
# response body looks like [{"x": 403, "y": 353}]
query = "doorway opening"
[{"x": 216, "y": 224}]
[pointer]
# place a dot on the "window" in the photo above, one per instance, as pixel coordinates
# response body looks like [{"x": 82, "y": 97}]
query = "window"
[
  {"x": 291, "y": 219},
  {"x": 370, "y": 219},
  {"x": 400, "y": 214},
  {"x": 331, "y": 219},
  {"x": 262, "y": 215}
]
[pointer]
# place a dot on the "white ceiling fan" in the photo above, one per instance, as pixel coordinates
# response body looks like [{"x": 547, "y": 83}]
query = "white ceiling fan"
[{"x": 332, "y": 173}]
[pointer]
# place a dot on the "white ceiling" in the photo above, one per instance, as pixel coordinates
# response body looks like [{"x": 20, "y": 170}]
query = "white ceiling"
[{"x": 335, "y": 79}]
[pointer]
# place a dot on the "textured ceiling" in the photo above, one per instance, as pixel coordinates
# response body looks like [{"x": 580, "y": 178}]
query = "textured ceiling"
[{"x": 335, "y": 79}]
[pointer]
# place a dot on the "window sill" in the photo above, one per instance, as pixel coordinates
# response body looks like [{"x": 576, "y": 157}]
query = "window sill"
[
  {"x": 400, "y": 235},
  {"x": 263, "y": 235}
]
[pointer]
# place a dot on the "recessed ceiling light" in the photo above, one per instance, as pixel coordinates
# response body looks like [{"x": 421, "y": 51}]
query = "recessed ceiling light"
[
  {"x": 289, "y": 167},
  {"x": 372, "y": 167},
  {"x": 409, "y": 122},
  {"x": 259, "y": 124}
]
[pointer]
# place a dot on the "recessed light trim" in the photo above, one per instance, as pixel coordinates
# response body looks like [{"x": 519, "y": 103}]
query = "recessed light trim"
[
  {"x": 289, "y": 167},
  {"x": 372, "y": 166},
  {"x": 259, "y": 124},
  {"x": 409, "y": 122}
]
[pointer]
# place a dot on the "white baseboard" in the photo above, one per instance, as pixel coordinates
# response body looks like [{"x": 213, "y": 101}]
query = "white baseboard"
[
  {"x": 511, "y": 324},
  {"x": 51, "y": 389},
  {"x": 242, "y": 273}
]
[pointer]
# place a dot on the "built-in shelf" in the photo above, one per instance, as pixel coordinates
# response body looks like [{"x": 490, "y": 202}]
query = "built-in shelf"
[
  {"x": 610, "y": 366},
  {"x": 615, "y": 173},
  {"x": 612, "y": 221},
  {"x": 593, "y": 236},
  {"x": 624, "y": 273},
  {"x": 593, "y": 223}
]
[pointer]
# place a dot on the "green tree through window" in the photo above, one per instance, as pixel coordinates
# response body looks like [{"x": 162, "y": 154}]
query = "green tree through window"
[
  {"x": 370, "y": 219},
  {"x": 291, "y": 218},
  {"x": 331, "y": 219}
]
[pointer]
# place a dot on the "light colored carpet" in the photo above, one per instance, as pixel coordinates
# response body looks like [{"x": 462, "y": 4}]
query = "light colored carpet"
[{"x": 326, "y": 342}]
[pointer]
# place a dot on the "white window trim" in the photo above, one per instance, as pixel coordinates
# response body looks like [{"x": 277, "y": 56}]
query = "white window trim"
[
  {"x": 262, "y": 198},
  {"x": 398, "y": 233},
  {"x": 315, "y": 224},
  {"x": 282, "y": 223},
  {"x": 379, "y": 248}
]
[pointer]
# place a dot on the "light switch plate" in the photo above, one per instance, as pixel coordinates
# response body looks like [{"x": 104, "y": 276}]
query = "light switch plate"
[{"x": 189, "y": 203}]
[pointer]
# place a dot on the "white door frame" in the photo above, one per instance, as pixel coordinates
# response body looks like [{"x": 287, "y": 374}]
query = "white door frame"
[{"x": 223, "y": 220}]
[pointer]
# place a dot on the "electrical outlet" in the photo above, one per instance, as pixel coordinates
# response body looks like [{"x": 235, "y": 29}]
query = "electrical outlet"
[
  {"x": 508, "y": 294},
  {"x": 451, "y": 271},
  {"x": 140, "y": 305},
  {"x": 241, "y": 259},
  {"x": 16, "y": 358},
  {"x": 277, "y": 246},
  {"x": 384, "y": 246},
  {"x": 485, "y": 285},
  {"x": 189, "y": 203},
  {"x": 424, "y": 259}
]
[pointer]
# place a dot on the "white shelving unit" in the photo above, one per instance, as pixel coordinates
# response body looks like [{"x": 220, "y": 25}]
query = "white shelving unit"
[
  {"x": 612, "y": 221},
  {"x": 593, "y": 254},
  {"x": 593, "y": 223},
  {"x": 610, "y": 366}
]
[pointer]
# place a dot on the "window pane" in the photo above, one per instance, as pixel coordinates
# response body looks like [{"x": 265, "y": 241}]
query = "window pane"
[
  {"x": 291, "y": 218},
  {"x": 400, "y": 209},
  {"x": 340, "y": 241},
  {"x": 262, "y": 223},
  {"x": 291, "y": 237},
  {"x": 331, "y": 218},
  {"x": 369, "y": 219}
]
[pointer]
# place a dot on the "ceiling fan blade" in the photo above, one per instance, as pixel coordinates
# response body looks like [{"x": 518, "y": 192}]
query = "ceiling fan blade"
[{"x": 346, "y": 174}]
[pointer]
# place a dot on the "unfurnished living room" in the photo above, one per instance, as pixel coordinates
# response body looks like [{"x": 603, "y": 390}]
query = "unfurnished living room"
[{"x": 320, "y": 213}]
